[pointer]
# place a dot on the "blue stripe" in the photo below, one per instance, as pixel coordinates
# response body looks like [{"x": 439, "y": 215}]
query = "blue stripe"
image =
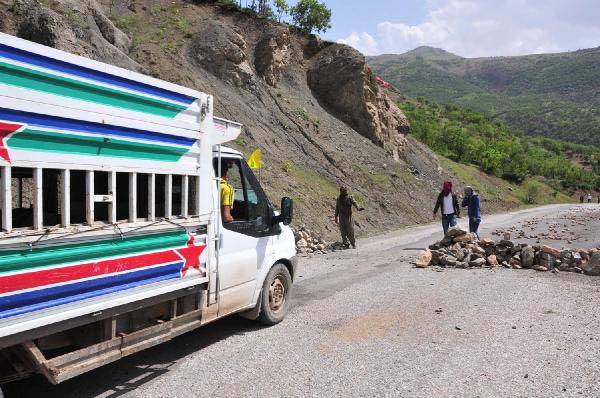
[
  {"x": 61, "y": 66},
  {"x": 58, "y": 295},
  {"x": 46, "y": 121}
]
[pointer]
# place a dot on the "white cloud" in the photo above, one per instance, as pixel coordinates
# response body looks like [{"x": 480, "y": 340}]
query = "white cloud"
[
  {"x": 474, "y": 28},
  {"x": 363, "y": 41}
]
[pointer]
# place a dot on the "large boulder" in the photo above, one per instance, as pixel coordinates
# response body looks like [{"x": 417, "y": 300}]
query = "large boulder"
[
  {"x": 506, "y": 244},
  {"x": 314, "y": 45},
  {"x": 478, "y": 249},
  {"x": 436, "y": 256},
  {"x": 454, "y": 232},
  {"x": 547, "y": 260},
  {"x": 271, "y": 54},
  {"x": 79, "y": 27},
  {"x": 592, "y": 267},
  {"x": 222, "y": 51},
  {"x": 44, "y": 26},
  {"x": 449, "y": 261},
  {"x": 423, "y": 259},
  {"x": 527, "y": 257},
  {"x": 492, "y": 260},
  {"x": 466, "y": 238},
  {"x": 478, "y": 262},
  {"x": 343, "y": 83},
  {"x": 552, "y": 251}
]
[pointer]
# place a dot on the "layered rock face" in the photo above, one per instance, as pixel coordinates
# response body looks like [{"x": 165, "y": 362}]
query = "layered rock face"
[
  {"x": 77, "y": 26},
  {"x": 272, "y": 53},
  {"x": 337, "y": 75},
  {"x": 222, "y": 51},
  {"x": 342, "y": 81}
]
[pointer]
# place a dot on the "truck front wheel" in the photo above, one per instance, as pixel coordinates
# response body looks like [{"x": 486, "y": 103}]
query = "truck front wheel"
[{"x": 276, "y": 295}]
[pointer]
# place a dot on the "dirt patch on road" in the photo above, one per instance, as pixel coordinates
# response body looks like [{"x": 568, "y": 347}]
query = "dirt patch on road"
[{"x": 368, "y": 326}]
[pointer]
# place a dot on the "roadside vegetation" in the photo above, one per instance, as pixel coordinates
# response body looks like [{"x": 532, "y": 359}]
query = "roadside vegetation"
[{"x": 470, "y": 137}]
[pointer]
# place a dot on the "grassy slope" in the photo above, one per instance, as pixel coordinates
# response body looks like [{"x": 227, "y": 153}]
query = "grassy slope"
[{"x": 553, "y": 95}]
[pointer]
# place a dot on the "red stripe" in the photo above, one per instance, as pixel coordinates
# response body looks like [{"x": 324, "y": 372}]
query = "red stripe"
[{"x": 30, "y": 280}]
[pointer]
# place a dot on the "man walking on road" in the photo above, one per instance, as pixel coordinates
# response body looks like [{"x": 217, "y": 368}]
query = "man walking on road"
[
  {"x": 448, "y": 202},
  {"x": 471, "y": 200},
  {"x": 343, "y": 217}
]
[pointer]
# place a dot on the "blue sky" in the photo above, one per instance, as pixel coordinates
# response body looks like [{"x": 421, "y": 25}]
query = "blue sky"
[
  {"x": 469, "y": 28},
  {"x": 363, "y": 16}
]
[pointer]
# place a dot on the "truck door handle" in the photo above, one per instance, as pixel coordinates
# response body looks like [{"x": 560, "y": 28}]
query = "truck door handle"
[{"x": 219, "y": 241}]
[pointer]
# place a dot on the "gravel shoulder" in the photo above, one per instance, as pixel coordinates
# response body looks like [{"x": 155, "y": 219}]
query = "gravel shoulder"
[{"x": 367, "y": 323}]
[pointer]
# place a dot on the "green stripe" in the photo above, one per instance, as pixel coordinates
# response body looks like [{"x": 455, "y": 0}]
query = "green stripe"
[
  {"x": 19, "y": 76},
  {"x": 23, "y": 260},
  {"x": 36, "y": 140}
]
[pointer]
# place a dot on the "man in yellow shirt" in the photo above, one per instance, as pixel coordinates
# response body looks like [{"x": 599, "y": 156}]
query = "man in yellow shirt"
[{"x": 227, "y": 194}]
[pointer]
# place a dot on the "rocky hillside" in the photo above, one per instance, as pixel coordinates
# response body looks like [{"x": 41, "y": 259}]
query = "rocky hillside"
[
  {"x": 311, "y": 106},
  {"x": 550, "y": 95}
]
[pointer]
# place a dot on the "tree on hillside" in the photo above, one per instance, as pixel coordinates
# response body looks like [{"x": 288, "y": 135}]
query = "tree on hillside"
[
  {"x": 282, "y": 7},
  {"x": 311, "y": 15},
  {"x": 264, "y": 9}
]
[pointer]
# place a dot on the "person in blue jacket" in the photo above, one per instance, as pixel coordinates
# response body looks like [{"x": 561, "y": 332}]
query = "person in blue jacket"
[{"x": 471, "y": 200}]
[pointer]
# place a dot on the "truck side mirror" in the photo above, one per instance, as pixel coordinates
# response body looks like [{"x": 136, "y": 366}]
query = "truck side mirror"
[{"x": 287, "y": 212}]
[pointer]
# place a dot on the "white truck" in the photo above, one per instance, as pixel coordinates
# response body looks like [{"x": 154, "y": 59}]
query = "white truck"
[{"x": 112, "y": 238}]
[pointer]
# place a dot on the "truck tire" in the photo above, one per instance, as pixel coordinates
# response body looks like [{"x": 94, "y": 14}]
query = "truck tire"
[{"x": 276, "y": 295}]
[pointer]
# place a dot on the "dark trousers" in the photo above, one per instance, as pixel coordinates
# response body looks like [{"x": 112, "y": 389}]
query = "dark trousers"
[
  {"x": 346, "y": 225},
  {"x": 448, "y": 220},
  {"x": 474, "y": 225}
]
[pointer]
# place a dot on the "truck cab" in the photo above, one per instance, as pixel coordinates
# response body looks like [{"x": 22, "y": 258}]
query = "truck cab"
[{"x": 257, "y": 239}]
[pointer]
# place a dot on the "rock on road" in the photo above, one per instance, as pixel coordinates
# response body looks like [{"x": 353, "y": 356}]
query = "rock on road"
[{"x": 367, "y": 323}]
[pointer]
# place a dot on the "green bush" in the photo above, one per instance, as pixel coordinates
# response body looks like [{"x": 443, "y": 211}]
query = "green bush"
[
  {"x": 287, "y": 165},
  {"x": 532, "y": 192},
  {"x": 469, "y": 137}
]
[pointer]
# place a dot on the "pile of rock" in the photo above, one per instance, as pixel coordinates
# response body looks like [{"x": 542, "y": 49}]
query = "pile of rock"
[
  {"x": 307, "y": 242},
  {"x": 460, "y": 249}
]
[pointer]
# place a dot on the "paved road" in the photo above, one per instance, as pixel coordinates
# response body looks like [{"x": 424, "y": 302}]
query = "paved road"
[{"x": 366, "y": 323}]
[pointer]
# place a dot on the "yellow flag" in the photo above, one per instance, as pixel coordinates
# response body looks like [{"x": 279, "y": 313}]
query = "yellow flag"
[{"x": 255, "y": 160}]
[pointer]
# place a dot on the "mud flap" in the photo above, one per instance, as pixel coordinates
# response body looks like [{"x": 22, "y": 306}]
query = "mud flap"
[{"x": 254, "y": 312}]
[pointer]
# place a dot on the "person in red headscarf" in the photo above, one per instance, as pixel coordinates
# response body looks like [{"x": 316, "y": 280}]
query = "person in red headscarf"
[{"x": 448, "y": 203}]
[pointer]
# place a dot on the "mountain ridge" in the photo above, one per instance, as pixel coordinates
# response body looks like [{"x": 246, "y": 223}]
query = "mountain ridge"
[
  {"x": 424, "y": 49},
  {"x": 554, "y": 95}
]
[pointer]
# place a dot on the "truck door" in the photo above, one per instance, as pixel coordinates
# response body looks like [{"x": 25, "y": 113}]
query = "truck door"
[{"x": 245, "y": 241}]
